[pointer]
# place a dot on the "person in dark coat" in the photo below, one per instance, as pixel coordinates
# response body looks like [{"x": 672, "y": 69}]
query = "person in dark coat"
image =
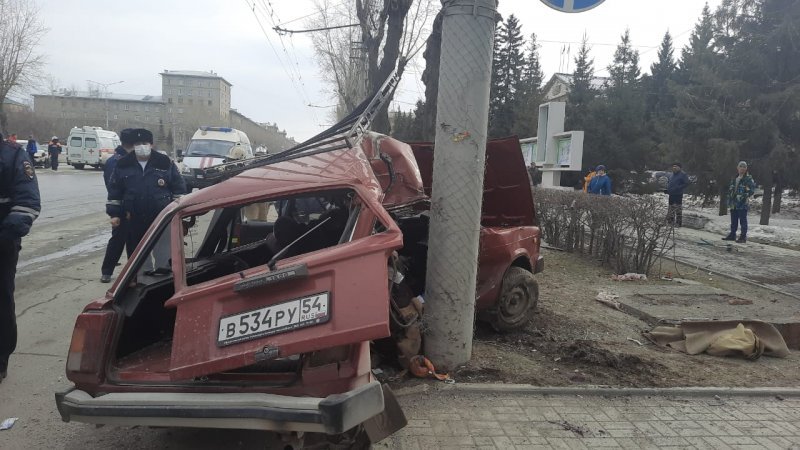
[
  {"x": 143, "y": 183},
  {"x": 54, "y": 149},
  {"x": 119, "y": 234},
  {"x": 600, "y": 183},
  {"x": 676, "y": 184},
  {"x": 32, "y": 149},
  {"x": 19, "y": 207}
]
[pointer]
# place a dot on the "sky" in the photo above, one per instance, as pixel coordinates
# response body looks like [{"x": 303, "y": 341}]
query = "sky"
[{"x": 276, "y": 79}]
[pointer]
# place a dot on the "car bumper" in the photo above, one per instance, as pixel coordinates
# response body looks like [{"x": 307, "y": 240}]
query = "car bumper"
[{"x": 332, "y": 415}]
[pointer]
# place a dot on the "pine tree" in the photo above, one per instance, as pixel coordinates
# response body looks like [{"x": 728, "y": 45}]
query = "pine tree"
[
  {"x": 530, "y": 92},
  {"x": 508, "y": 72},
  {"x": 659, "y": 100},
  {"x": 625, "y": 67},
  {"x": 581, "y": 92}
]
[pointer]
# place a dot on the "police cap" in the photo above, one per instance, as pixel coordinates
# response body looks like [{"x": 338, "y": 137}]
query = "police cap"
[
  {"x": 127, "y": 136},
  {"x": 142, "y": 135}
]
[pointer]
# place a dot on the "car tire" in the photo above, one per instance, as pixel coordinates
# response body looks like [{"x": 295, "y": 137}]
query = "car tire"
[
  {"x": 516, "y": 303},
  {"x": 78, "y": 166}
]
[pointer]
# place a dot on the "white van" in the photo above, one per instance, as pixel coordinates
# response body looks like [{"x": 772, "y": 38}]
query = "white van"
[
  {"x": 209, "y": 147},
  {"x": 90, "y": 146}
]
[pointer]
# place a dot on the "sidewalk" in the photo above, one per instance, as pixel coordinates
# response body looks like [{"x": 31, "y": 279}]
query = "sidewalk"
[
  {"x": 462, "y": 419},
  {"x": 765, "y": 265}
]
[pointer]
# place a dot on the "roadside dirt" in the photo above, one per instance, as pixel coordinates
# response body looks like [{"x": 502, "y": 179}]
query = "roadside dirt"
[{"x": 575, "y": 340}]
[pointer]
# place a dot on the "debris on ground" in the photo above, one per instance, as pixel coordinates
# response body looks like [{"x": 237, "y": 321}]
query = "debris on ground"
[
  {"x": 609, "y": 300},
  {"x": 749, "y": 339},
  {"x": 739, "y": 301},
  {"x": 580, "y": 430},
  {"x": 8, "y": 423},
  {"x": 629, "y": 277}
]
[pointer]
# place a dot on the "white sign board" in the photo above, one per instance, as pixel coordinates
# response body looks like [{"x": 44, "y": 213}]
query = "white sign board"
[{"x": 572, "y": 6}]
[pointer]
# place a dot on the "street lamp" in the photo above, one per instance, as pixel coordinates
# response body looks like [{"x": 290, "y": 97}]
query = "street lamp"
[{"x": 105, "y": 93}]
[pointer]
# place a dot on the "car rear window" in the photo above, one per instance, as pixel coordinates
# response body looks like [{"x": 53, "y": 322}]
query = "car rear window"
[
  {"x": 91, "y": 142},
  {"x": 76, "y": 142}
]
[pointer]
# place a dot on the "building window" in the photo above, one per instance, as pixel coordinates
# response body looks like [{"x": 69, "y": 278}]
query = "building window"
[
  {"x": 180, "y": 110},
  {"x": 189, "y": 92},
  {"x": 209, "y": 94},
  {"x": 180, "y": 82},
  {"x": 136, "y": 117},
  {"x": 147, "y": 118},
  {"x": 169, "y": 110},
  {"x": 209, "y": 103},
  {"x": 180, "y": 99},
  {"x": 115, "y": 117},
  {"x": 180, "y": 91},
  {"x": 168, "y": 81},
  {"x": 169, "y": 100},
  {"x": 146, "y": 108},
  {"x": 127, "y": 108}
]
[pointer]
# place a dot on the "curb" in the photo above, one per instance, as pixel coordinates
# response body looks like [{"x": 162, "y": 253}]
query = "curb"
[{"x": 527, "y": 389}]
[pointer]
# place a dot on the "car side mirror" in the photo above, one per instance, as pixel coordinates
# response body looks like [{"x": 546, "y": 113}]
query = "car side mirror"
[{"x": 179, "y": 155}]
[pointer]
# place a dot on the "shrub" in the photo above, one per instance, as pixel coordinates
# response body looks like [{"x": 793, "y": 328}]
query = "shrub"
[{"x": 628, "y": 233}]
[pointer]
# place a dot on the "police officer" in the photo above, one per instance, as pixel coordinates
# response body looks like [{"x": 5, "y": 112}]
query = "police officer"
[
  {"x": 119, "y": 234},
  {"x": 144, "y": 182},
  {"x": 54, "y": 149},
  {"x": 19, "y": 207}
]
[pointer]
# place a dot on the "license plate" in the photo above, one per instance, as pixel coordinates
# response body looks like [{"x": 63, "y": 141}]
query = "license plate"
[{"x": 279, "y": 318}]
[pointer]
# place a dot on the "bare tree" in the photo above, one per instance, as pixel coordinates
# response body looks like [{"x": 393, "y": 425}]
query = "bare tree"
[
  {"x": 20, "y": 64},
  {"x": 386, "y": 35}
]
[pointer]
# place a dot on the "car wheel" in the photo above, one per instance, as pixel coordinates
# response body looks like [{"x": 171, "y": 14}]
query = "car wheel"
[
  {"x": 517, "y": 301},
  {"x": 78, "y": 166}
]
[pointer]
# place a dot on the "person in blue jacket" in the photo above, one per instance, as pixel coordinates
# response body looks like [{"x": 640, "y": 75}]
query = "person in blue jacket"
[
  {"x": 601, "y": 183},
  {"x": 119, "y": 234},
  {"x": 143, "y": 183},
  {"x": 676, "y": 184},
  {"x": 19, "y": 207},
  {"x": 32, "y": 148}
]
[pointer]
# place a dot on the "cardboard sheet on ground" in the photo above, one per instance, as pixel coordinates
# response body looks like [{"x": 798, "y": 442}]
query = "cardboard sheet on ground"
[{"x": 745, "y": 338}]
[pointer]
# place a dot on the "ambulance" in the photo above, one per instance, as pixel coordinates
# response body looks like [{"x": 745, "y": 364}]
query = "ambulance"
[
  {"x": 90, "y": 146},
  {"x": 211, "y": 146}
]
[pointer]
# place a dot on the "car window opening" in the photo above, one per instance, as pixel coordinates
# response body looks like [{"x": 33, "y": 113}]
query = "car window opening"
[{"x": 217, "y": 243}]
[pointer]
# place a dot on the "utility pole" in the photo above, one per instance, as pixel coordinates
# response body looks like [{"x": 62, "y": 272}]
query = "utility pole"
[
  {"x": 105, "y": 94},
  {"x": 461, "y": 127}
]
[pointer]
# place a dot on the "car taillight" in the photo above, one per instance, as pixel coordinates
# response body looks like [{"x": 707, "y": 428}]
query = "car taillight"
[{"x": 89, "y": 346}]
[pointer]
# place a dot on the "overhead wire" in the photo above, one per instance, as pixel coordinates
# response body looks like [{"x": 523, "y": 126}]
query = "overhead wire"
[{"x": 291, "y": 69}]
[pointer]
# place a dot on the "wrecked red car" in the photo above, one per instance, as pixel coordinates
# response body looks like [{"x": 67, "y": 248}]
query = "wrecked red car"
[{"x": 282, "y": 276}]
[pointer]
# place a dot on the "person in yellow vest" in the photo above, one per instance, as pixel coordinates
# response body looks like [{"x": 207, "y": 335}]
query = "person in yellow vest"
[{"x": 587, "y": 179}]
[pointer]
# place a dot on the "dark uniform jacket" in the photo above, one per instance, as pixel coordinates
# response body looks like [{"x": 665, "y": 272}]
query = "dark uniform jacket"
[
  {"x": 111, "y": 163},
  {"x": 19, "y": 193},
  {"x": 142, "y": 194}
]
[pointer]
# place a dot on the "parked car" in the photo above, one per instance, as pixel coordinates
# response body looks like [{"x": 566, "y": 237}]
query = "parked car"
[
  {"x": 281, "y": 276},
  {"x": 41, "y": 158}
]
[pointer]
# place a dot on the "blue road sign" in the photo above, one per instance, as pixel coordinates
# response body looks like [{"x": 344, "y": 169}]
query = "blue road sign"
[{"x": 572, "y": 6}]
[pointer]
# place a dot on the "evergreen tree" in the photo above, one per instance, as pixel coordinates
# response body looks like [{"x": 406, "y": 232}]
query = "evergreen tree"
[
  {"x": 659, "y": 100},
  {"x": 625, "y": 67},
  {"x": 625, "y": 145},
  {"x": 692, "y": 135},
  {"x": 530, "y": 92},
  {"x": 581, "y": 92},
  {"x": 508, "y": 70}
]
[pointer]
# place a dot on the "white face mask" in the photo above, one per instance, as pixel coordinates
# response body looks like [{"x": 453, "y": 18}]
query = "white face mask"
[{"x": 142, "y": 150}]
